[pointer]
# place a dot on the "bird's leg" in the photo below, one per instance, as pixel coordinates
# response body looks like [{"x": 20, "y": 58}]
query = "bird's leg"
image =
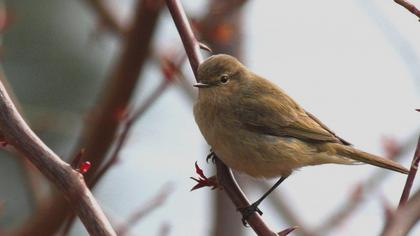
[
  {"x": 211, "y": 156},
  {"x": 247, "y": 211}
]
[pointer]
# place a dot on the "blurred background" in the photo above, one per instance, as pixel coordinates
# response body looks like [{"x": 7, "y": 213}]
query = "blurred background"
[{"x": 353, "y": 63}]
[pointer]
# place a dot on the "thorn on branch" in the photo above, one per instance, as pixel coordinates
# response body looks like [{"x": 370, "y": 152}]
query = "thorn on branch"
[
  {"x": 287, "y": 231},
  {"x": 205, "y": 47},
  {"x": 203, "y": 180}
]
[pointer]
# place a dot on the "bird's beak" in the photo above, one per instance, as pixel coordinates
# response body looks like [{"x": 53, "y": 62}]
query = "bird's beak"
[{"x": 201, "y": 85}]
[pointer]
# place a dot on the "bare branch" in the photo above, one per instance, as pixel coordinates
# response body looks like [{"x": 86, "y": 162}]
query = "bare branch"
[
  {"x": 405, "y": 218},
  {"x": 411, "y": 175},
  {"x": 17, "y": 133},
  {"x": 103, "y": 122},
  {"x": 106, "y": 17},
  {"x": 191, "y": 45},
  {"x": 410, "y": 7},
  {"x": 147, "y": 208}
]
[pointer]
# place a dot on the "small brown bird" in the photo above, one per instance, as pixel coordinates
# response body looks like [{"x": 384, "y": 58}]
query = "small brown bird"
[{"x": 255, "y": 127}]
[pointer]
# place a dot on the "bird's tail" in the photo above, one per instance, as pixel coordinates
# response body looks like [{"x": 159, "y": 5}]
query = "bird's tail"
[{"x": 357, "y": 155}]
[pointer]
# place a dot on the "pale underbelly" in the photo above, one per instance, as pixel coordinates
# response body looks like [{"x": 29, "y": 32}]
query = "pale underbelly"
[{"x": 266, "y": 156}]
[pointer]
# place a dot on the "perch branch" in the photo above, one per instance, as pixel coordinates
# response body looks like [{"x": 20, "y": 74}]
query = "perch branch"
[
  {"x": 224, "y": 174},
  {"x": 410, "y": 7},
  {"x": 17, "y": 133},
  {"x": 411, "y": 175}
]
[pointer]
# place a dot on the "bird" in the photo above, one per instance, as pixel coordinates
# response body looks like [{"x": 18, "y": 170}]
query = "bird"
[{"x": 254, "y": 127}]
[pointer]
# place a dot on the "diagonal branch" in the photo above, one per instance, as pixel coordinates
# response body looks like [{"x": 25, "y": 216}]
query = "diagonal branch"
[
  {"x": 410, "y": 7},
  {"x": 17, "y": 133},
  {"x": 411, "y": 175},
  {"x": 106, "y": 17},
  {"x": 404, "y": 219},
  {"x": 224, "y": 174},
  {"x": 102, "y": 124}
]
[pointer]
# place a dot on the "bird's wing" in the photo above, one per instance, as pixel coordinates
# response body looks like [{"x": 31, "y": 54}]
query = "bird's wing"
[
  {"x": 326, "y": 128},
  {"x": 278, "y": 115}
]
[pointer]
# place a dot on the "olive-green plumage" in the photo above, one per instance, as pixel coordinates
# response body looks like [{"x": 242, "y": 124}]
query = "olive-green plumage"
[{"x": 255, "y": 127}]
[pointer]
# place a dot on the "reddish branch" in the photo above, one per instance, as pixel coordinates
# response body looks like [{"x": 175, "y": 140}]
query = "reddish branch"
[
  {"x": 411, "y": 175},
  {"x": 103, "y": 123},
  {"x": 410, "y": 7},
  {"x": 405, "y": 218},
  {"x": 107, "y": 19},
  {"x": 17, "y": 133},
  {"x": 224, "y": 174}
]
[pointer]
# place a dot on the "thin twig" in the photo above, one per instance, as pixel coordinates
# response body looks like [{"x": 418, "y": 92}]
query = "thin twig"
[
  {"x": 367, "y": 187},
  {"x": 126, "y": 130},
  {"x": 405, "y": 218},
  {"x": 410, "y": 7},
  {"x": 106, "y": 17},
  {"x": 17, "y": 133},
  {"x": 411, "y": 175},
  {"x": 144, "y": 210}
]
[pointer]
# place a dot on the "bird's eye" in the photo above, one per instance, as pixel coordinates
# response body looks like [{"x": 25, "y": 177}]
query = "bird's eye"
[{"x": 224, "y": 79}]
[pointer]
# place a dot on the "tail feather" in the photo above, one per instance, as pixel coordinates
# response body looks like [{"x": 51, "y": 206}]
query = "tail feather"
[{"x": 357, "y": 155}]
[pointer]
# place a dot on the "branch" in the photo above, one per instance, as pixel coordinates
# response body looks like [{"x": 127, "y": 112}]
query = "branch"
[
  {"x": 225, "y": 178},
  {"x": 367, "y": 187},
  {"x": 191, "y": 45},
  {"x": 147, "y": 208},
  {"x": 106, "y": 18},
  {"x": 410, "y": 7},
  {"x": 411, "y": 175},
  {"x": 102, "y": 124},
  {"x": 17, "y": 133},
  {"x": 405, "y": 218},
  {"x": 224, "y": 174}
]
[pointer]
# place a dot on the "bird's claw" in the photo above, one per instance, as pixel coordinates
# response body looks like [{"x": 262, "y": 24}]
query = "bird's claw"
[
  {"x": 248, "y": 211},
  {"x": 211, "y": 156}
]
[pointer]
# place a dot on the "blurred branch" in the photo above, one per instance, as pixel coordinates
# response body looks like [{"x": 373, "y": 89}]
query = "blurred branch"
[
  {"x": 102, "y": 125},
  {"x": 143, "y": 211},
  {"x": 370, "y": 185},
  {"x": 126, "y": 127},
  {"x": 17, "y": 133},
  {"x": 410, "y": 7},
  {"x": 106, "y": 17},
  {"x": 404, "y": 219},
  {"x": 164, "y": 229},
  {"x": 411, "y": 175}
]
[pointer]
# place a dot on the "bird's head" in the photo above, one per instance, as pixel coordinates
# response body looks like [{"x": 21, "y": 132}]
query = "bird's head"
[{"x": 220, "y": 75}]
